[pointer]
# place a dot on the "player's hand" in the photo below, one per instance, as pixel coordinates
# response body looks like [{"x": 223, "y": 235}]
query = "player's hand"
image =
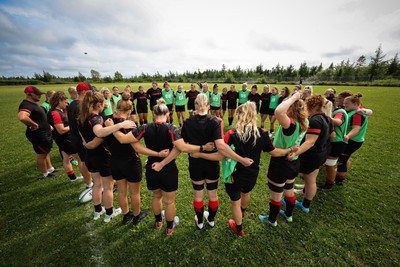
[
  {"x": 34, "y": 127},
  {"x": 247, "y": 162},
  {"x": 291, "y": 156},
  {"x": 209, "y": 146},
  {"x": 195, "y": 155},
  {"x": 127, "y": 124},
  {"x": 163, "y": 153},
  {"x": 294, "y": 148},
  {"x": 109, "y": 122},
  {"x": 297, "y": 95},
  {"x": 346, "y": 138},
  {"x": 157, "y": 166}
]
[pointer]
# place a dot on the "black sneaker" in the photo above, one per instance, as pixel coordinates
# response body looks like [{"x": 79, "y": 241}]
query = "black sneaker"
[
  {"x": 137, "y": 219},
  {"x": 339, "y": 182},
  {"x": 325, "y": 187},
  {"x": 127, "y": 217},
  {"x": 51, "y": 175}
]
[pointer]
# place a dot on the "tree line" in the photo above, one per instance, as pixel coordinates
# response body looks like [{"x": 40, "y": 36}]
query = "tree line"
[{"x": 378, "y": 71}]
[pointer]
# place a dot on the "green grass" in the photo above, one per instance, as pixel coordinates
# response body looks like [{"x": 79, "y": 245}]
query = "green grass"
[{"x": 41, "y": 222}]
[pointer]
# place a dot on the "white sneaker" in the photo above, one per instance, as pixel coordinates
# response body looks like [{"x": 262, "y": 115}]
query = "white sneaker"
[
  {"x": 206, "y": 214},
  {"x": 115, "y": 213},
  {"x": 78, "y": 178},
  {"x": 176, "y": 220},
  {"x": 199, "y": 226},
  {"x": 299, "y": 191},
  {"x": 162, "y": 215},
  {"x": 96, "y": 215},
  {"x": 299, "y": 186}
]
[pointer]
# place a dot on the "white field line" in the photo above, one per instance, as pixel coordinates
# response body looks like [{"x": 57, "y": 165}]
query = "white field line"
[{"x": 96, "y": 254}]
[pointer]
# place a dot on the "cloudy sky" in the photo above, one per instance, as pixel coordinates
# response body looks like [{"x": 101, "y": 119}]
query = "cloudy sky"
[{"x": 71, "y": 36}]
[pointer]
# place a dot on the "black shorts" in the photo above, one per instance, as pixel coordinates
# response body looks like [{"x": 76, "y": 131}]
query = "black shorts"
[
  {"x": 170, "y": 108},
  {"x": 241, "y": 184},
  {"x": 129, "y": 168},
  {"x": 280, "y": 169},
  {"x": 190, "y": 106},
  {"x": 42, "y": 146},
  {"x": 98, "y": 162},
  {"x": 310, "y": 163},
  {"x": 80, "y": 149},
  {"x": 232, "y": 105},
  {"x": 66, "y": 146},
  {"x": 352, "y": 147},
  {"x": 141, "y": 109},
  {"x": 180, "y": 108},
  {"x": 264, "y": 109},
  {"x": 224, "y": 105},
  {"x": 271, "y": 111},
  {"x": 201, "y": 169},
  {"x": 337, "y": 148},
  {"x": 133, "y": 112},
  {"x": 215, "y": 108},
  {"x": 166, "y": 179}
]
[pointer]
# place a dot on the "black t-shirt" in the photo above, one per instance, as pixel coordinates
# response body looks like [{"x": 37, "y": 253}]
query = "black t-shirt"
[
  {"x": 191, "y": 95},
  {"x": 249, "y": 150},
  {"x": 321, "y": 125},
  {"x": 37, "y": 114},
  {"x": 265, "y": 99},
  {"x": 118, "y": 150},
  {"x": 201, "y": 129},
  {"x": 89, "y": 135},
  {"x": 232, "y": 96},
  {"x": 255, "y": 98},
  {"x": 74, "y": 126},
  {"x": 158, "y": 136},
  {"x": 58, "y": 117},
  {"x": 141, "y": 100},
  {"x": 153, "y": 95}
]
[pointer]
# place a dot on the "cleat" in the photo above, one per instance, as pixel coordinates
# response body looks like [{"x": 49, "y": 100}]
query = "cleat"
[
  {"x": 210, "y": 223},
  {"x": 288, "y": 219},
  {"x": 51, "y": 175},
  {"x": 176, "y": 222},
  {"x": 339, "y": 182},
  {"x": 299, "y": 186},
  {"x": 232, "y": 225},
  {"x": 115, "y": 213},
  {"x": 127, "y": 217},
  {"x": 325, "y": 188},
  {"x": 300, "y": 204},
  {"x": 265, "y": 220},
  {"x": 143, "y": 214},
  {"x": 199, "y": 226},
  {"x": 78, "y": 178},
  {"x": 96, "y": 215}
]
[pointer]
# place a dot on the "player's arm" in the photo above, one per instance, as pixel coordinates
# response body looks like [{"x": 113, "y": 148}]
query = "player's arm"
[
  {"x": 225, "y": 150},
  {"x": 94, "y": 143},
  {"x": 282, "y": 108},
  {"x": 354, "y": 131},
  {"x": 216, "y": 156},
  {"x": 148, "y": 152},
  {"x": 157, "y": 166},
  {"x": 310, "y": 141},
  {"x": 188, "y": 148},
  {"x": 101, "y": 131},
  {"x": 25, "y": 118}
]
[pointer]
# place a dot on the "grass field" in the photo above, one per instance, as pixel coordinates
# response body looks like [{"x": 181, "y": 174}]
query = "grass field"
[{"x": 41, "y": 222}]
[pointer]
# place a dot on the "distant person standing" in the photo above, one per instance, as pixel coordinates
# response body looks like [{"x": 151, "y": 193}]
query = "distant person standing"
[
  {"x": 215, "y": 101},
  {"x": 191, "y": 96},
  {"x": 273, "y": 103},
  {"x": 108, "y": 111},
  {"x": 72, "y": 93},
  {"x": 115, "y": 97},
  {"x": 255, "y": 97},
  {"x": 180, "y": 100},
  {"x": 168, "y": 95},
  {"x": 38, "y": 130},
  {"x": 232, "y": 102},
  {"x": 243, "y": 94},
  {"x": 224, "y": 99},
  {"x": 141, "y": 105},
  {"x": 46, "y": 104},
  {"x": 153, "y": 94},
  {"x": 265, "y": 98}
]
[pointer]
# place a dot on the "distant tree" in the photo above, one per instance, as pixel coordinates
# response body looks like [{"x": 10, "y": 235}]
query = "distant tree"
[
  {"x": 118, "y": 77},
  {"x": 95, "y": 75},
  {"x": 81, "y": 77},
  {"x": 394, "y": 67},
  {"x": 47, "y": 76},
  {"x": 108, "y": 79},
  {"x": 377, "y": 64},
  {"x": 304, "y": 70}
]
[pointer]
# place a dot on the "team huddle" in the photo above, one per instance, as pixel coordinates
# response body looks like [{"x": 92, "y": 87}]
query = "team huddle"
[{"x": 101, "y": 131}]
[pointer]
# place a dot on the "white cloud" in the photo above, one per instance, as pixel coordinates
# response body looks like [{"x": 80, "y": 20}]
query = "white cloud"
[{"x": 149, "y": 36}]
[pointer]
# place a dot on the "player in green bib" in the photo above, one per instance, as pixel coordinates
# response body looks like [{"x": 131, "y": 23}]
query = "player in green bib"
[
  {"x": 338, "y": 145},
  {"x": 115, "y": 97},
  {"x": 215, "y": 101},
  {"x": 243, "y": 94},
  {"x": 107, "y": 111},
  {"x": 355, "y": 134},
  {"x": 273, "y": 103},
  {"x": 46, "y": 104},
  {"x": 168, "y": 95},
  {"x": 293, "y": 124},
  {"x": 180, "y": 101}
]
